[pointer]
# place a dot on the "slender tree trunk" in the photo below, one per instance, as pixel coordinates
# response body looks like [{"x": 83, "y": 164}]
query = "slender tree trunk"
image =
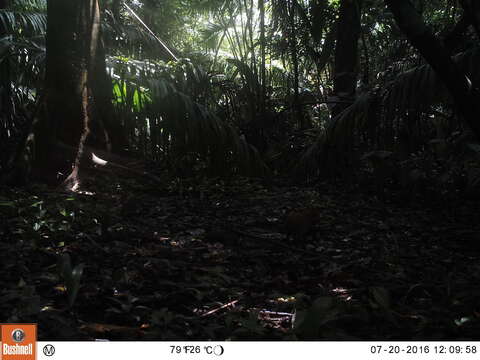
[
  {"x": 249, "y": 8},
  {"x": 294, "y": 58},
  {"x": 346, "y": 55},
  {"x": 238, "y": 38},
  {"x": 466, "y": 96},
  {"x": 261, "y": 6}
]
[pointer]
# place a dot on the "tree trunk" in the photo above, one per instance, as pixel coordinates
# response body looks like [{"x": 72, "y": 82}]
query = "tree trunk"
[
  {"x": 72, "y": 42},
  {"x": 293, "y": 53},
  {"x": 466, "y": 96},
  {"x": 346, "y": 55},
  {"x": 261, "y": 6}
]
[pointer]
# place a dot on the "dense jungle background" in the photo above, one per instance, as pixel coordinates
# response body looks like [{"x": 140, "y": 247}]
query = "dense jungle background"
[{"x": 240, "y": 169}]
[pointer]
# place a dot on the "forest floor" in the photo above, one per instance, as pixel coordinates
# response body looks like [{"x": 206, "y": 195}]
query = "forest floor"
[{"x": 204, "y": 261}]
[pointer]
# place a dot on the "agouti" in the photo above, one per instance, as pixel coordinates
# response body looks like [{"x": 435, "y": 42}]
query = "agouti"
[{"x": 301, "y": 223}]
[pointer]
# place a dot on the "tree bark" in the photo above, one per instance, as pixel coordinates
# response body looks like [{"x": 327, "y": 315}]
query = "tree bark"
[
  {"x": 346, "y": 55},
  {"x": 263, "y": 77},
  {"x": 294, "y": 56},
  {"x": 466, "y": 96},
  {"x": 73, "y": 30}
]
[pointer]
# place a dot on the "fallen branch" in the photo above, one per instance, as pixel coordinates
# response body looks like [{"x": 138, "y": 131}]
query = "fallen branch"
[{"x": 220, "y": 308}]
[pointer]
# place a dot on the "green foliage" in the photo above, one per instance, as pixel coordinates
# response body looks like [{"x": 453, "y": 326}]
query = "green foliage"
[
  {"x": 384, "y": 115},
  {"x": 23, "y": 23},
  {"x": 214, "y": 113},
  {"x": 22, "y": 56},
  {"x": 209, "y": 111},
  {"x": 29, "y": 5},
  {"x": 168, "y": 105}
]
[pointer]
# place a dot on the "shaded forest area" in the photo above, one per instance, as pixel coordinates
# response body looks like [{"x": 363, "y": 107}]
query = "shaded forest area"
[{"x": 240, "y": 169}]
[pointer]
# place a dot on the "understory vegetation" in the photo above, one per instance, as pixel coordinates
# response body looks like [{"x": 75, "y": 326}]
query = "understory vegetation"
[{"x": 240, "y": 169}]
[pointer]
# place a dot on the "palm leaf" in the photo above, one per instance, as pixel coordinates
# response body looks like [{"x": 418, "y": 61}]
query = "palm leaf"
[
  {"x": 28, "y": 23},
  {"x": 418, "y": 89},
  {"x": 185, "y": 125}
]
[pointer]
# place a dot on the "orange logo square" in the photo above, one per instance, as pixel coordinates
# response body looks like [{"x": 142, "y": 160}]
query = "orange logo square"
[{"x": 18, "y": 341}]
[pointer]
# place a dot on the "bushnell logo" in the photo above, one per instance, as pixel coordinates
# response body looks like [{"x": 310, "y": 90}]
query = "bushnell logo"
[
  {"x": 18, "y": 341},
  {"x": 18, "y": 335}
]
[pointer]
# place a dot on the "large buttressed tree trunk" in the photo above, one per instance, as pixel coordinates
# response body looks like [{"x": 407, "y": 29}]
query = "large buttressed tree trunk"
[
  {"x": 346, "y": 55},
  {"x": 76, "y": 86}
]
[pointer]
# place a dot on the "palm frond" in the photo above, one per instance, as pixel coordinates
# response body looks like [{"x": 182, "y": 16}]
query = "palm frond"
[
  {"x": 246, "y": 72},
  {"x": 416, "y": 89},
  {"x": 32, "y": 24},
  {"x": 404, "y": 92},
  {"x": 184, "y": 125},
  {"x": 338, "y": 137}
]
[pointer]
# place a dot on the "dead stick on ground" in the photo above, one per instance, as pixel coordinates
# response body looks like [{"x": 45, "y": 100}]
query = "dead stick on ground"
[{"x": 220, "y": 308}]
